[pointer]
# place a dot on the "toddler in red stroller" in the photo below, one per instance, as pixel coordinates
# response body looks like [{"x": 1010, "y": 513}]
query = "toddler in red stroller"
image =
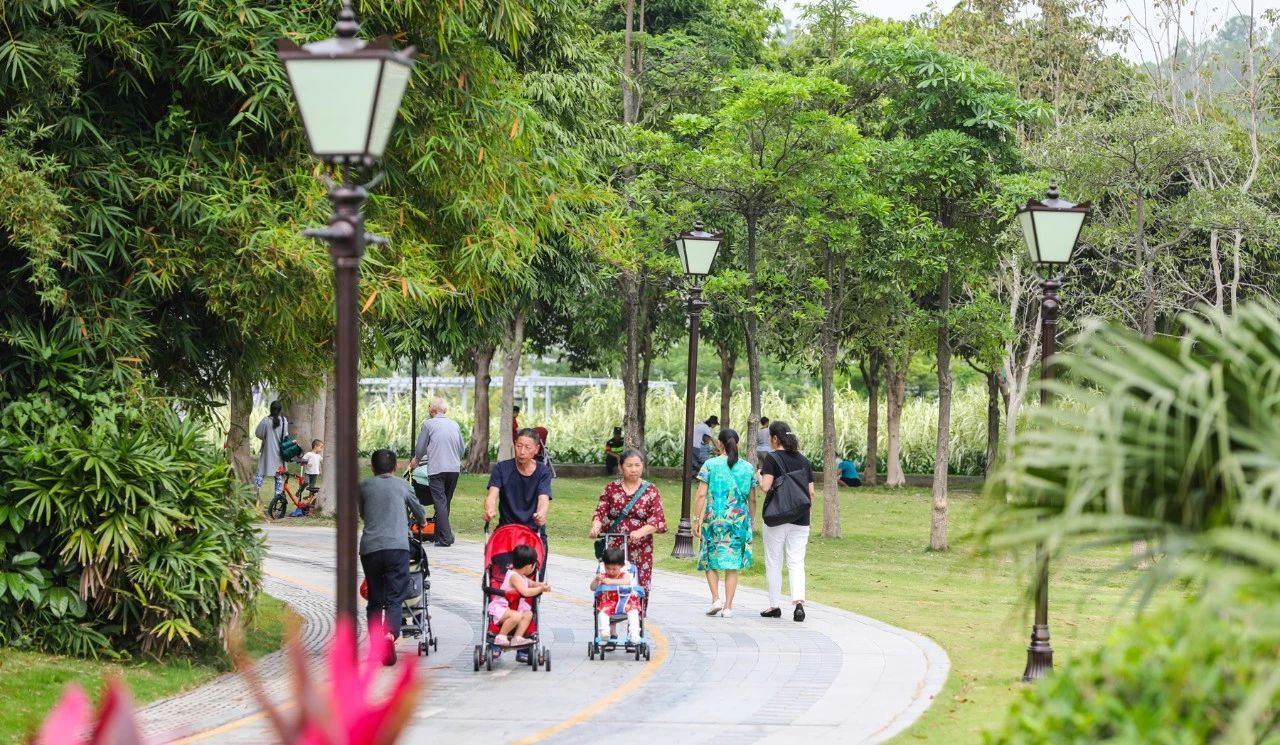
[{"x": 513, "y": 556}]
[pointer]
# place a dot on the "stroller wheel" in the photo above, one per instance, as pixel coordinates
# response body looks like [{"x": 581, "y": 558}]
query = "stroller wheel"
[
  {"x": 533, "y": 659},
  {"x": 488, "y": 662},
  {"x": 422, "y": 649},
  {"x": 591, "y": 650},
  {"x": 546, "y": 660},
  {"x": 435, "y": 644},
  {"x": 637, "y": 653},
  {"x": 646, "y": 650},
  {"x": 476, "y": 658}
]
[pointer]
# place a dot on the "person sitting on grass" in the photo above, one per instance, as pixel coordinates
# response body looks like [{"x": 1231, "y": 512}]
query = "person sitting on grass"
[
  {"x": 849, "y": 475},
  {"x": 608, "y": 602},
  {"x": 517, "y": 581}
]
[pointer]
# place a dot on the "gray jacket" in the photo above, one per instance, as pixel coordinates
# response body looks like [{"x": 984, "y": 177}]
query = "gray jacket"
[
  {"x": 440, "y": 445},
  {"x": 269, "y": 459},
  {"x": 383, "y": 501}
]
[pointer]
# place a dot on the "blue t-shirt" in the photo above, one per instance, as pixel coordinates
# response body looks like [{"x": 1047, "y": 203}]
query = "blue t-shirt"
[
  {"x": 849, "y": 470},
  {"x": 517, "y": 493}
]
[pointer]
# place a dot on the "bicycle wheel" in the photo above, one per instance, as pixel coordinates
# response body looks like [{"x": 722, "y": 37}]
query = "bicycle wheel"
[{"x": 277, "y": 507}]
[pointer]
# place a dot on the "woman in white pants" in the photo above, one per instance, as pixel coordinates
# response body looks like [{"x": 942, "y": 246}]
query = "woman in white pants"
[{"x": 791, "y": 536}]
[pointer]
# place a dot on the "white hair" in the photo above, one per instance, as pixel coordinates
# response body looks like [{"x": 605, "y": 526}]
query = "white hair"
[{"x": 438, "y": 406}]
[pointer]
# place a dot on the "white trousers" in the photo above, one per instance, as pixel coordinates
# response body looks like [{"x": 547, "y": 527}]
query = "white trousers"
[
  {"x": 794, "y": 539},
  {"x": 633, "y": 625}
]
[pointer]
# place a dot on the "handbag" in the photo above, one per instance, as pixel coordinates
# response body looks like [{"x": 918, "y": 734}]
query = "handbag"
[
  {"x": 289, "y": 447},
  {"x": 788, "y": 499},
  {"x": 644, "y": 486}
]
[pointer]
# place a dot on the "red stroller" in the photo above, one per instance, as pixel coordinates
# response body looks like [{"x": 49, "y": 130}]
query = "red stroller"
[{"x": 497, "y": 561}]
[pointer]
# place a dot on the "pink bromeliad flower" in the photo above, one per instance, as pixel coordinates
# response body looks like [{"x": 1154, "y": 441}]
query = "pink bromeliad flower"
[{"x": 73, "y": 721}]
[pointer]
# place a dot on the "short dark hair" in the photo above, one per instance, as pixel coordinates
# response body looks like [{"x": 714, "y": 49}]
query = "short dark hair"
[
  {"x": 613, "y": 557},
  {"x": 764, "y": 421},
  {"x": 523, "y": 556},
  {"x": 383, "y": 461},
  {"x": 516, "y": 409},
  {"x": 713, "y": 420},
  {"x": 316, "y": 442}
]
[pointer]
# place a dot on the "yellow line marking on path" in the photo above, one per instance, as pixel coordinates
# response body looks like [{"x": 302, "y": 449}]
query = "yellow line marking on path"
[
  {"x": 614, "y": 697},
  {"x": 660, "y": 656}
]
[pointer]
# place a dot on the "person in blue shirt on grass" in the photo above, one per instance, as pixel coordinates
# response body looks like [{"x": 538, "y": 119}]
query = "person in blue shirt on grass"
[{"x": 849, "y": 475}]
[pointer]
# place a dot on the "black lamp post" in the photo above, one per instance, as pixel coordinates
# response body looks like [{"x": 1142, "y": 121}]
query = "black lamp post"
[
  {"x": 697, "y": 250},
  {"x": 1051, "y": 228},
  {"x": 348, "y": 94}
]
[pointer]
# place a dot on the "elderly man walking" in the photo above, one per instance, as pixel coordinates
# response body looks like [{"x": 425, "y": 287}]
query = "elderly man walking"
[{"x": 440, "y": 447}]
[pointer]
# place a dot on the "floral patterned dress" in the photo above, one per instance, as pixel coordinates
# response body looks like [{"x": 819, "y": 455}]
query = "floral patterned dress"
[
  {"x": 726, "y": 524},
  {"x": 647, "y": 511}
]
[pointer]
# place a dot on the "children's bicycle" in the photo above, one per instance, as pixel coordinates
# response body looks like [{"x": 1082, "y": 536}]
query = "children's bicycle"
[{"x": 305, "y": 503}]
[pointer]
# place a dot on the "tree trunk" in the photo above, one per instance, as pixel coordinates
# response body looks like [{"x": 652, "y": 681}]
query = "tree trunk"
[
  {"x": 871, "y": 378},
  {"x": 629, "y": 281},
  {"x": 942, "y": 454},
  {"x": 830, "y": 468},
  {"x": 327, "y": 497},
  {"x": 1147, "y": 270},
  {"x": 240, "y": 401},
  {"x": 1235, "y": 270},
  {"x": 510, "y": 368},
  {"x": 728, "y": 362},
  {"x": 478, "y": 455},
  {"x": 993, "y": 423},
  {"x": 895, "y": 395},
  {"x": 629, "y": 107},
  {"x": 751, "y": 338},
  {"x": 646, "y": 361},
  {"x": 1215, "y": 268}
]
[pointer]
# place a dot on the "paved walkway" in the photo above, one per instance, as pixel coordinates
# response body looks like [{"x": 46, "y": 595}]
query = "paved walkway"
[{"x": 838, "y": 677}]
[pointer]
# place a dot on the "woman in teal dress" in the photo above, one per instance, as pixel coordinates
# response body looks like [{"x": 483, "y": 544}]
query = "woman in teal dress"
[{"x": 723, "y": 523}]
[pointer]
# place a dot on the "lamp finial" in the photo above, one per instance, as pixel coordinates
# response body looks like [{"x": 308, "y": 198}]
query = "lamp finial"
[
  {"x": 1053, "y": 189},
  {"x": 347, "y": 26}
]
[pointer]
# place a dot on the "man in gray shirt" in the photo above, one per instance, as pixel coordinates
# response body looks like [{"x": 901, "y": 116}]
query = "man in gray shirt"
[
  {"x": 440, "y": 447},
  {"x": 384, "y": 544}
]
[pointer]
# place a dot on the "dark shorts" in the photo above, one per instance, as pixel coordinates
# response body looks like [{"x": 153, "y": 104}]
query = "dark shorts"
[{"x": 850, "y": 482}]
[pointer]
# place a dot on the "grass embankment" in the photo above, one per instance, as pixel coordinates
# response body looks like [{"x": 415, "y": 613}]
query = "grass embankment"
[
  {"x": 31, "y": 683},
  {"x": 975, "y": 608}
]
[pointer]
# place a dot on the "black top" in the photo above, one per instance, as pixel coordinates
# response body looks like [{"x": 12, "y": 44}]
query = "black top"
[
  {"x": 614, "y": 442},
  {"x": 517, "y": 493},
  {"x": 777, "y": 464}
]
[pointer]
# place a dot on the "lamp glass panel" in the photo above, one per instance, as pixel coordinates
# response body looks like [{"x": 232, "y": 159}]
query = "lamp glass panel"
[
  {"x": 335, "y": 97},
  {"x": 697, "y": 254},
  {"x": 1029, "y": 235},
  {"x": 1057, "y": 230},
  {"x": 395, "y": 76}
]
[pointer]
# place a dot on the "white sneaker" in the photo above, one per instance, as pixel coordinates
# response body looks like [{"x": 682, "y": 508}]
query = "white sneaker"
[
  {"x": 715, "y": 608},
  {"x": 726, "y": 613}
]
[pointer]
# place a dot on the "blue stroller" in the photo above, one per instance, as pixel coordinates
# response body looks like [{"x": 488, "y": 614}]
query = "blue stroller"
[{"x": 601, "y": 645}]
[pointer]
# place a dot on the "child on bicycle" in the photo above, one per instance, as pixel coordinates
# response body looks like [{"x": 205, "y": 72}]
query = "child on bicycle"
[
  {"x": 608, "y": 602},
  {"x": 518, "y": 580}
]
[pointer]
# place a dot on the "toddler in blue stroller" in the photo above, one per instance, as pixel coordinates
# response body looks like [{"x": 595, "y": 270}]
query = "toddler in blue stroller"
[{"x": 618, "y": 599}]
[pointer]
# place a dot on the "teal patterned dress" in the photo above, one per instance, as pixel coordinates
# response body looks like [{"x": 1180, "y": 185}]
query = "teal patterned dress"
[{"x": 726, "y": 525}]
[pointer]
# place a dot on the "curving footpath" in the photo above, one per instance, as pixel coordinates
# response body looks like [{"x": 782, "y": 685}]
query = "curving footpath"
[{"x": 837, "y": 677}]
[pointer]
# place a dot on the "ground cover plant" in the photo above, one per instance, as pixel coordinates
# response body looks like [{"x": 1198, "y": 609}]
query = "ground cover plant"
[{"x": 31, "y": 682}]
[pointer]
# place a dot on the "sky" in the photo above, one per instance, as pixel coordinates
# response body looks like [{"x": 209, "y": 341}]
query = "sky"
[{"x": 1202, "y": 13}]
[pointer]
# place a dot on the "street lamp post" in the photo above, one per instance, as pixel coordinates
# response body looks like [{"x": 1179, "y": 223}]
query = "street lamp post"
[
  {"x": 348, "y": 94},
  {"x": 1052, "y": 229},
  {"x": 697, "y": 249}
]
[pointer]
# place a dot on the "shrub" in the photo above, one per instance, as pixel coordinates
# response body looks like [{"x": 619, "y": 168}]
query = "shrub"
[
  {"x": 1185, "y": 675},
  {"x": 120, "y": 526}
]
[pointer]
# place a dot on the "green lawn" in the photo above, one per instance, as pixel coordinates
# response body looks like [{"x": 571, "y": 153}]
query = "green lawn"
[
  {"x": 974, "y": 607},
  {"x": 30, "y": 682}
]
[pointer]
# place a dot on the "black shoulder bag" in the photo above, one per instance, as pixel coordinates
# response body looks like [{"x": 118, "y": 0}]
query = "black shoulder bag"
[
  {"x": 600, "y": 542},
  {"x": 788, "y": 498}
]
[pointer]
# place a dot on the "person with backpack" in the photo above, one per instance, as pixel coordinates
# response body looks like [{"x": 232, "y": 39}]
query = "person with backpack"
[
  {"x": 787, "y": 481},
  {"x": 271, "y": 430}
]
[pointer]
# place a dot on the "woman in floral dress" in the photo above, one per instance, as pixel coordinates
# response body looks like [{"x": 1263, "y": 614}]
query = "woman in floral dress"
[
  {"x": 645, "y": 518},
  {"x": 723, "y": 522}
]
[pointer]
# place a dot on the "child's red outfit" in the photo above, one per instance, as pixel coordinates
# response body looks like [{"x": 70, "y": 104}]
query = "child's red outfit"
[{"x": 609, "y": 602}]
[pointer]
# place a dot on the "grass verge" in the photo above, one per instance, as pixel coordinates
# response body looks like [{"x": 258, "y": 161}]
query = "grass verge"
[
  {"x": 31, "y": 682},
  {"x": 976, "y": 608}
]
